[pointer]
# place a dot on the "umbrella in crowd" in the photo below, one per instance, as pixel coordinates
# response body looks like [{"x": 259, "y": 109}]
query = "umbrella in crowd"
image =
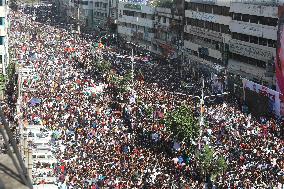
[{"x": 34, "y": 101}]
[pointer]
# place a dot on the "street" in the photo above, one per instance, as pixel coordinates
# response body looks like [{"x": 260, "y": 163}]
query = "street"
[{"x": 100, "y": 116}]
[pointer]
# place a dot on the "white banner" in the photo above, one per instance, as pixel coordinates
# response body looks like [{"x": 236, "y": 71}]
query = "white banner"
[{"x": 265, "y": 91}]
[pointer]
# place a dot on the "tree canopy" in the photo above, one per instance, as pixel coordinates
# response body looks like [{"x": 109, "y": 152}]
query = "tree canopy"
[
  {"x": 182, "y": 123},
  {"x": 210, "y": 162},
  {"x": 162, "y": 3}
]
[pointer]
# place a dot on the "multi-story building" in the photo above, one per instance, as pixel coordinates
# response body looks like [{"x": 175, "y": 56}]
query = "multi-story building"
[
  {"x": 253, "y": 45},
  {"x": 4, "y": 55},
  {"x": 75, "y": 9},
  {"x": 207, "y": 33},
  {"x": 167, "y": 33},
  {"x": 105, "y": 13},
  {"x": 101, "y": 13},
  {"x": 136, "y": 22}
]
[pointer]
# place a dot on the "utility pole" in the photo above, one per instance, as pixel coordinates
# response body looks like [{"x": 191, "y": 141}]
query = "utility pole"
[
  {"x": 78, "y": 17},
  {"x": 202, "y": 99},
  {"x": 201, "y": 121},
  {"x": 132, "y": 69}
]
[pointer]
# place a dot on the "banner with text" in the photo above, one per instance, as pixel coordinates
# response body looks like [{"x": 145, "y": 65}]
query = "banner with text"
[{"x": 274, "y": 96}]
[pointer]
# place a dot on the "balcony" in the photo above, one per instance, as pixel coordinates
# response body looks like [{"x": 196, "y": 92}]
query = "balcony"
[
  {"x": 251, "y": 50},
  {"x": 124, "y": 30},
  {"x": 258, "y": 30},
  {"x": 205, "y": 63},
  {"x": 137, "y": 21},
  {"x": 245, "y": 70},
  {"x": 208, "y": 17},
  {"x": 202, "y": 32},
  {"x": 136, "y": 7},
  {"x": 253, "y": 9},
  {"x": 195, "y": 47}
]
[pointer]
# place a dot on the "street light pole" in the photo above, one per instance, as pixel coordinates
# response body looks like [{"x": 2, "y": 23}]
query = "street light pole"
[
  {"x": 201, "y": 99},
  {"x": 201, "y": 121},
  {"x": 202, "y": 104},
  {"x": 78, "y": 17},
  {"x": 132, "y": 69}
]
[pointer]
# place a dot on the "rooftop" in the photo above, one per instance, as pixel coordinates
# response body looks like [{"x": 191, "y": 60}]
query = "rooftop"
[{"x": 9, "y": 176}]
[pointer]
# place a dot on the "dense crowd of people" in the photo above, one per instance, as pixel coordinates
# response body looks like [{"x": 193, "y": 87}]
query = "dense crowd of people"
[{"x": 113, "y": 141}]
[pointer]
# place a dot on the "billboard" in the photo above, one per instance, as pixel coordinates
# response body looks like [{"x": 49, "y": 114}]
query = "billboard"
[
  {"x": 279, "y": 60},
  {"x": 273, "y": 97}
]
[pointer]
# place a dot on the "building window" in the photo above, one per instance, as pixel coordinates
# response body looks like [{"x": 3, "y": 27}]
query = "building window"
[
  {"x": 225, "y": 29},
  {"x": 253, "y": 39},
  {"x": 2, "y": 40},
  {"x": 235, "y": 36},
  {"x": 237, "y": 16},
  {"x": 244, "y": 37},
  {"x": 209, "y": 25},
  {"x": 245, "y": 17},
  {"x": 271, "y": 43},
  {"x": 200, "y": 23},
  {"x": 271, "y": 21},
  {"x": 216, "y": 27},
  {"x": 226, "y": 11},
  {"x": 254, "y": 19},
  {"x": 191, "y": 6},
  {"x": 194, "y": 22},
  {"x": 248, "y": 60},
  {"x": 263, "y": 41},
  {"x": 217, "y": 10},
  {"x": 2, "y": 21},
  {"x": 208, "y": 9},
  {"x": 164, "y": 19},
  {"x": 84, "y": 2},
  {"x": 201, "y": 7}
]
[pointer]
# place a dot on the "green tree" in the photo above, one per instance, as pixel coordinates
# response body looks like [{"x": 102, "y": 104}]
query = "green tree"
[
  {"x": 103, "y": 66},
  {"x": 162, "y": 3},
  {"x": 121, "y": 83},
  {"x": 210, "y": 163},
  {"x": 182, "y": 123}
]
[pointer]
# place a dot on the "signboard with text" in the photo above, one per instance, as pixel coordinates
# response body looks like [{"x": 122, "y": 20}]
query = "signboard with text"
[
  {"x": 279, "y": 60},
  {"x": 250, "y": 51},
  {"x": 133, "y": 6},
  {"x": 204, "y": 16},
  {"x": 274, "y": 96}
]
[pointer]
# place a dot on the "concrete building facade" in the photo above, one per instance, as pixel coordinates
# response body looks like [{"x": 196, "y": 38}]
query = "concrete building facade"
[
  {"x": 167, "y": 33},
  {"x": 101, "y": 13},
  {"x": 136, "y": 23},
  {"x": 207, "y": 33},
  {"x": 253, "y": 45}
]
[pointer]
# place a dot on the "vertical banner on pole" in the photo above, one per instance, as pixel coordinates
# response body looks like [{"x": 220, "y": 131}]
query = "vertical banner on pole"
[{"x": 279, "y": 60}]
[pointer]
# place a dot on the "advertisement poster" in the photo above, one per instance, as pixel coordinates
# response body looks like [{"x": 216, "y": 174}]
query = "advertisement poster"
[
  {"x": 274, "y": 96},
  {"x": 279, "y": 60}
]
